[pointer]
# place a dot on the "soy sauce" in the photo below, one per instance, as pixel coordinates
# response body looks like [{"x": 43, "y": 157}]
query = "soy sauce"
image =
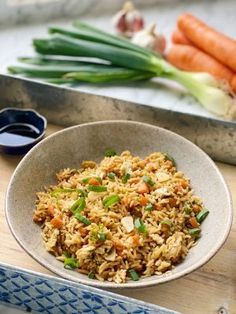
[{"x": 16, "y": 134}]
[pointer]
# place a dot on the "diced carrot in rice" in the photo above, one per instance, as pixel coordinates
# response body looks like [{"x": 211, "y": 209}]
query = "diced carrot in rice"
[
  {"x": 93, "y": 181},
  {"x": 57, "y": 222}
]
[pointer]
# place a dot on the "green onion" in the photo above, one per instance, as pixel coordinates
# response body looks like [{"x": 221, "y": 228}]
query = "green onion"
[
  {"x": 110, "y": 153},
  {"x": 202, "y": 215},
  {"x": 148, "y": 207},
  {"x": 102, "y": 236},
  {"x": 138, "y": 223},
  {"x": 111, "y": 200},
  {"x": 89, "y": 42},
  {"x": 133, "y": 274},
  {"x": 78, "y": 205},
  {"x": 148, "y": 180},
  {"x": 97, "y": 188},
  {"x": 71, "y": 263},
  {"x": 187, "y": 208},
  {"x": 91, "y": 275},
  {"x": 83, "y": 219},
  {"x": 195, "y": 232},
  {"x": 125, "y": 178},
  {"x": 169, "y": 157},
  {"x": 111, "y": 176}
]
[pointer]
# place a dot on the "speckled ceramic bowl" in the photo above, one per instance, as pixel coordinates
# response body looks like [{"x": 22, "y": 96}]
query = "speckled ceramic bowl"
[{"x": 69, "y": 147}]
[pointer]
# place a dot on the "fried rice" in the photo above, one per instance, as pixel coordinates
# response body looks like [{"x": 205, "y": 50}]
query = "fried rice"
[{"x": 120, "y": 219}]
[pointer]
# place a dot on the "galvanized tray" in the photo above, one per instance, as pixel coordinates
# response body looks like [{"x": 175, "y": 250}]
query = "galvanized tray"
[{"x": 67, "y": 106}]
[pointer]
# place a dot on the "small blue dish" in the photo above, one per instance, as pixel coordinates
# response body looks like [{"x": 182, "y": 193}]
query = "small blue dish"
[{"x": 20, "y": 130}]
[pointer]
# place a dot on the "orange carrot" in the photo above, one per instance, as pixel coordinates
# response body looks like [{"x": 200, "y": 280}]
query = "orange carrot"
[
  {"x": 193, "y": 222},
  {"x": 196, "y": 208},
  {"x": 192, "y": 59},
  {"x": 179, "y": 38},
  {"x": 57, "y": 222},
  {"x": 216, "y": 44},
  {"x": 136, "y": 240},
  {"x": 93, "y": 181},
  {"x": 143, "y": 200}
]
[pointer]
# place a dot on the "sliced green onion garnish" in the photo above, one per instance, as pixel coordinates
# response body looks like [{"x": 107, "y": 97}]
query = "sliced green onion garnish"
[
  {"x": 111, "y": 176},
  {"x": 138, "y": 223},
  {"x": 97, "y": 188},
  {"x": 187, "y": 208},
  {"x": 202, "y": 215},
  {"x": 168, "y": 157},
  {"x": 91, "y": 275},
  {"x": 82, "y": 192},
  {"x": 133, "y": 274},
  {"x": 83, "y": 219},
  {"x": 71, "y": 263},
  {"x": 149, "y": 207},
  {"x": 86, "y": 180},
  {"x": 102, "y": 236},
  {"x": 195, "y": 232},
  {"x": 148, "y": 180},
  {"x": 78, "y": 205},
  {"x": 110, "y": 153},
  {"x": 111, "y": 200},
  {"x": 125, "y": 178}
]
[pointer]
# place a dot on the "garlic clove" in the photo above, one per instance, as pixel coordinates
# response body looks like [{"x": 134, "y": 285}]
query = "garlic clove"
[
  {"x": 128, "y": 223},
  {"x": 111, "y": 257},
  {"x": 149, "y": 38},
  {"x": 128, "y": 20}
]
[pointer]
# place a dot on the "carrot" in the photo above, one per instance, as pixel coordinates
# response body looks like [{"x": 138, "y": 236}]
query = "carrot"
[
  {"x": 196, "y": 208},
  {"x": 193, "y": 222},
  {"x": 143, "y": 200},
  {"x": 179, "y": 38},
  {"x": 136, "y": 240},
  {"x": 172, "y": 202},
  {"x": 93, "y": 181},
  {"x": 57, "y": 222},
  {"x": 192, "y": 59},
  {"x": 214, "y": 43}
]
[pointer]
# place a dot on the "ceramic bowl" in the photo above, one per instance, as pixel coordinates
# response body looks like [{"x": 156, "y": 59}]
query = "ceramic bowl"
[
  {"x": 20, "y": 130},
  {"x": 69, "y": 147}
]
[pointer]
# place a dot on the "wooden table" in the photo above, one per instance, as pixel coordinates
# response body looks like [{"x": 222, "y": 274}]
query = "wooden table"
[{"x": 211, "y": 289}]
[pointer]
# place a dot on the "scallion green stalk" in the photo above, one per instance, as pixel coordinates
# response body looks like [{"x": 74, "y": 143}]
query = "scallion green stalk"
[{"x": 87, "y": 41}]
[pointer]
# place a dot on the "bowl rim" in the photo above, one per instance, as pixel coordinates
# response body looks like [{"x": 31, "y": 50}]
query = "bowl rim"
[
  {"x": 130, "y": 284},
  {"x": 37, "y": 139}
]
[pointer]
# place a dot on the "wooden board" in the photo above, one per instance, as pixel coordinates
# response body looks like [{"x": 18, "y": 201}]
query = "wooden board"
[{"x": 207, "y": 290}]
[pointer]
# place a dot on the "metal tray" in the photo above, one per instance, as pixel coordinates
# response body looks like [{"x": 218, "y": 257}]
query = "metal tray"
[{"x": 66, "y": 106}]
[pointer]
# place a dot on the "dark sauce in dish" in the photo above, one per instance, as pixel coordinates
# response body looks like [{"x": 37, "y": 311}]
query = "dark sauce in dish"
[{"x": 16, "y": 134}]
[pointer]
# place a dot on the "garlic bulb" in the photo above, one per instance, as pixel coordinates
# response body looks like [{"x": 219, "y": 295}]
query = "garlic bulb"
[
  {"x": 149, "y": 38},
  {"x": 128, "y": 20}
]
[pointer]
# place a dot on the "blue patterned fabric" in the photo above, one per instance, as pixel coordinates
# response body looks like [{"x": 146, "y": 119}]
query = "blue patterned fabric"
[{"x": 45, "y": 294}]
